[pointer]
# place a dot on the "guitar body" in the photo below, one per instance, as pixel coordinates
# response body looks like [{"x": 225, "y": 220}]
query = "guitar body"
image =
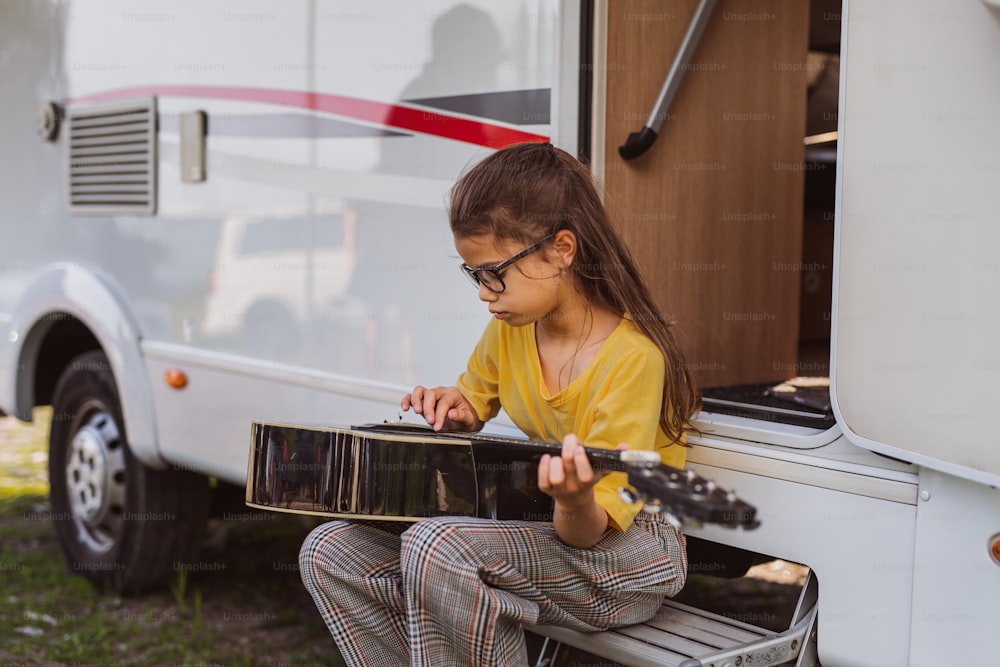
[
  {"x": 405, "y": 472},
  {"x": 393, "y": 473}
]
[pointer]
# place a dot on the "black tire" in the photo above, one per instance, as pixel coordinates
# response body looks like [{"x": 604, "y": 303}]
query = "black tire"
[{"x": 122, "y": 525}]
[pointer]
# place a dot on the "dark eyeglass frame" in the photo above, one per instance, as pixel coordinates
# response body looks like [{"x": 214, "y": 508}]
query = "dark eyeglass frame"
[{"x": 475, "y": 274}]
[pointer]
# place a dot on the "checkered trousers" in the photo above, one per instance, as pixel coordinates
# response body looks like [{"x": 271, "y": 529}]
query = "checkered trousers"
[{"x": 457, "y": 591}]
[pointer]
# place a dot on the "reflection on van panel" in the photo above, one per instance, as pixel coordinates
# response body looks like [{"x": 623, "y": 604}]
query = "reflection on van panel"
[{"x": 274, "y": 276}]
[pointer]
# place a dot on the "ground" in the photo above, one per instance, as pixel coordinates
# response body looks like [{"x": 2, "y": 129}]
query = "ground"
[{"x": 241, "y": 604}]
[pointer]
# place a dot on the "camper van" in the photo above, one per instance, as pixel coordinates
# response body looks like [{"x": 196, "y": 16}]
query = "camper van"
[{"x": 218, "y": 213}]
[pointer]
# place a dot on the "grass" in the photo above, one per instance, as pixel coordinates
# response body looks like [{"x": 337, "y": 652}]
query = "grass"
[
  {"x": 244, "y": 605},
  {"x": 24, "y": 456}
]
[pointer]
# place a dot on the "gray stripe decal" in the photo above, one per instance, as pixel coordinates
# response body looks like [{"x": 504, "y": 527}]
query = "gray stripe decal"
[{"x": 517, "y": 107}]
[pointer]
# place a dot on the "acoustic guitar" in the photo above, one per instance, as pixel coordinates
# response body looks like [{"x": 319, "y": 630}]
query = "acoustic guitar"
[{"x": 408, "y": 472}]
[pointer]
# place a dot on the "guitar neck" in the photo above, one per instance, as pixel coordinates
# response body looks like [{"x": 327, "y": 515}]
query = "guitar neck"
[{"x": 604, "y": 460}]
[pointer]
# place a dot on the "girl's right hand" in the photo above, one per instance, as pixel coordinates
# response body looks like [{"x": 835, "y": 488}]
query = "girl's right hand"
[{"x": 442, "y": 407}]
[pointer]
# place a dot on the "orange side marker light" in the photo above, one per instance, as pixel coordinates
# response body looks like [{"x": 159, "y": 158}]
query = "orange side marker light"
[{"x": 175, "y": 378}]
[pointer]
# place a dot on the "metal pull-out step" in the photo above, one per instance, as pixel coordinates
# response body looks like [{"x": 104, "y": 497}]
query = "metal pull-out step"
[{"x": 683, "y": 636}]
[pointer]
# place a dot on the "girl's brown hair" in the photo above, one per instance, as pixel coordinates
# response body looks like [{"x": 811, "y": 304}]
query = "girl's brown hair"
[{"x": 525, "y": 192}]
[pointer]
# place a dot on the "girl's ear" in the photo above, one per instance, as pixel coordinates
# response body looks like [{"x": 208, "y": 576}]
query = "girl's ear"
[{"x": 563, "y": 248}]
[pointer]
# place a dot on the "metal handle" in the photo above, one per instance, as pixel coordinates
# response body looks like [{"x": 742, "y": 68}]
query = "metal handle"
[{"x": 639, "y": 142}]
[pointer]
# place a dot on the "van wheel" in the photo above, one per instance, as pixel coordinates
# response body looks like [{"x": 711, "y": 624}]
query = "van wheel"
[{"x": 122, "y": 525}]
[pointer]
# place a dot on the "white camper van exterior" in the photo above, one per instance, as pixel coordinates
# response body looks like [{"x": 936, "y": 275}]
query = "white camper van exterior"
[{"x": 271, "y": 243}]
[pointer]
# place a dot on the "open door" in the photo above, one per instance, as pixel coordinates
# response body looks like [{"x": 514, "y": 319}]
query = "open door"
[{"x": 916, "y": 337}]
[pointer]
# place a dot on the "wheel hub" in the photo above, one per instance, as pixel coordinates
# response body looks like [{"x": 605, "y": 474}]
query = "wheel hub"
[{"x": 95, "y": 481}]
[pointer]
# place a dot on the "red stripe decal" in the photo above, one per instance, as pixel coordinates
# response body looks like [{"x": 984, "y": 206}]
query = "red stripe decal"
[{"x": 413, "y": 119}]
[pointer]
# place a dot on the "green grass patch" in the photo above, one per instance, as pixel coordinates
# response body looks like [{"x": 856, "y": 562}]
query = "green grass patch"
[
  {"x": 24, "y": 455},
  {"x": 245, "y": 605}
]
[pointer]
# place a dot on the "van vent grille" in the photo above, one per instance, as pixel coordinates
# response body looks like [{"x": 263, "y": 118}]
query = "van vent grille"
[{"x": 112, "y": 158}]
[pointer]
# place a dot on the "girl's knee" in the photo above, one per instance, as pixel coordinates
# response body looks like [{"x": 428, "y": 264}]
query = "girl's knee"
[
  {"x": 421, "y": 532},
  {"x": 321, "y": 540},
  {"x": 426, "y": 538}
]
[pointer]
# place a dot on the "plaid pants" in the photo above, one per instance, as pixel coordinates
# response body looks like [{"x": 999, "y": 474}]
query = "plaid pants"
[{"x": 457, "y": 591}]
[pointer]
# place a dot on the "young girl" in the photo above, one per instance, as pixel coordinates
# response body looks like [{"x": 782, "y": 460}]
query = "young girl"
[{"x": 576, "y": 352}]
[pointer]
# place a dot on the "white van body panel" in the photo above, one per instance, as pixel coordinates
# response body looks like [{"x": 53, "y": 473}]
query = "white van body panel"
[
  {"x": 955, "y": 581},
  {"x": 915, "y": 361},
  {"x": 199, "y": 439},
  {"x": 353, "y": 156},
  {"x": 853, "y": 525}
]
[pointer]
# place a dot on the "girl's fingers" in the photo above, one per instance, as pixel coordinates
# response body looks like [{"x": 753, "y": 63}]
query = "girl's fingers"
[
  {"x": 581, "y": 464},
  {"x": 543, "y": 473},
  {"x": 405, "y": 401},
  {"x": 461, "y": 417},
  {"x": 575, "y": 462},
  {"x": 415, "y": 399},
  {"x": 569, "y": 445},
  {"x": 428, "y": 405},
  {"x": 444, "y": 405},
  {"x": 568, "y": 466},
  {"x": 438, "y": 406},
  {"x": 557, "y": 475}
]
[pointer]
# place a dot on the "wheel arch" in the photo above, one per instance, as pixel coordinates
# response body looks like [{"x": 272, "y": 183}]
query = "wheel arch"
[{"x": 66, "y": 311}]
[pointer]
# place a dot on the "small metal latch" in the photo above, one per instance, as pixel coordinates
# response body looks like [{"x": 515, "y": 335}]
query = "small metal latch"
[{"x": 193, "y": 126}]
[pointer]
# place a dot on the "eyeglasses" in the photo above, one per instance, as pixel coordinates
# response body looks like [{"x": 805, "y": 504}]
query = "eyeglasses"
[{"x": 489, "y": 276}]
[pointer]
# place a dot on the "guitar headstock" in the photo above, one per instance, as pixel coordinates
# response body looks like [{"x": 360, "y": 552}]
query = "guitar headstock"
[{"x": 684, "y": 495}]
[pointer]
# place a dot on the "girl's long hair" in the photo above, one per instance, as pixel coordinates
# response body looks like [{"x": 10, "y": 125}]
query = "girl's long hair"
[{"x": 526, "y": 191}]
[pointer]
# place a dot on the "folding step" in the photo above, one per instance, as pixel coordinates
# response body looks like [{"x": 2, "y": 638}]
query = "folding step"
[{"x": 683, "y": 636}]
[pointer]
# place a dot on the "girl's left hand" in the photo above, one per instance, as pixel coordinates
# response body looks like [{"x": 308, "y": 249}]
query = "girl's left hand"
[{"x": 569, "y": 477}]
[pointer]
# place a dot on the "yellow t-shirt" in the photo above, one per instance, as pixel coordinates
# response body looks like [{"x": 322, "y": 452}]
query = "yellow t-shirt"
[{"x": 617, "y": 398}]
